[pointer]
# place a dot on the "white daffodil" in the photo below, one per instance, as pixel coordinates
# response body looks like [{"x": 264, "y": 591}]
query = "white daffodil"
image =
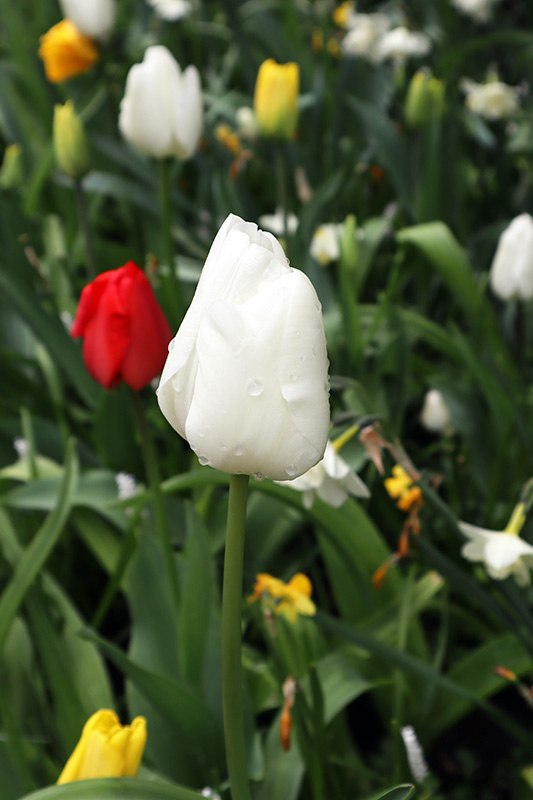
[
  {"x": 435, "y": 414},
  {"x": 503, "y": 553},
  {"x": 478, "y": 10},
  {"x": 332, "y": 479},
  {"x": 492, "y": 100},
  {"x": 365, "y": 31},
  {"x": 325, "y": 244},
  {"x": 401, "y": 44},
  {"x": 275, "y": 223},
  {"x": 171, "y": 10}
]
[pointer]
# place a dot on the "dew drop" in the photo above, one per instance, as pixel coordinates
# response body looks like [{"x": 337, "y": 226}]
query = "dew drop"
[
  {"x": 318, "y": 305},
  {"x": 238, "y": 450},
  {"x": 302, "y": 356},
  {"x": 326, "y": 387},
  {"x": 314, "y": 350},
  {"x": 223, "y": 448},
  {"x": 259, "y": 476},
  {"x": 291, "y": 470},
  {"x": 293, "y": 376},
  {"x": 201, "y": 433},
  {"x": 204, "y": 461},
  {"x": 171, "y": 345},
  {"x": 254, "y": 387}
]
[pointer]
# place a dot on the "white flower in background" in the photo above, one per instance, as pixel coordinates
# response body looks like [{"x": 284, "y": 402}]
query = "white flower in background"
[
  {"x": 332, "y": 479},
  {"x": 492, "y": 100},
  {"x": 325, "y": 245},
  {"x": 207, "y": 791},
  {"x": 478, "y": 10},
  {"x": 401, "y": 44},
  {"x": 161, "y": 111},
  {"x": 94, "y": 18},
  {"x": 126, "y": 485},
  {"x": 246, "y": 379},
  {"x": 21, "y": 446},
  {"x": 511, "y": 273},
  {"x": 275, "y": 223},
  {"x": 171, "y": 10},
  {"x": 415, "y": 754},
  {"x": 246, "y": 122},
  {"x": 435, "y": 414},
  {"x": 364, "y": 33},
  {"x": 503, "y": 553}
]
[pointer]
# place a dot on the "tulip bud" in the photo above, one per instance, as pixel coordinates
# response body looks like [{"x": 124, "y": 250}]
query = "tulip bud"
[
  {"x": 106, "y": 749},
  {"x": 94, "y": 18},
  {"x": 11, "y": 172},
  {"x": 435, "y": 415},
  {"x": 70, "y": 142},
  {"x": 425, "y": 99},
  {"x": 125, "y": 333},
  {"x": 161, "y": 111},
  {"x": 66, "y": 52},
  {"x": 276, "y": 99},
  {"x": 511, "y": 273},
  {"x": 246, "y": 377}
]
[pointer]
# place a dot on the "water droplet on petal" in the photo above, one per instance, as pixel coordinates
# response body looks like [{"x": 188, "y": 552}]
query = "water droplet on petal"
[
  {"x": 204, "y": 461},
  {"x": 238, "y": 450},
  {"x": 259, "y": 476},
  {"x": 293, "y": 376},
  {"x": 314, "y": 350},
  {"x": 318, "y": 305},
  {"x": 302, "y": 356},
  {"x": 223, "y": 448},
  {"x": 171, "y": 345},
  {"x": 291, "y": 470},
  {"x": 254, "y": 387}
]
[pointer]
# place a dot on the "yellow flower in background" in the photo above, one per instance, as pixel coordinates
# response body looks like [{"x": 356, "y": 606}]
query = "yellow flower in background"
[
  {"x": 289, "y": 599},
  {"x": 106, "y": 749},
  {"x": 228, "y": 139},
  {"x": 66, "y": 52},
  {"x": 276, "y": 98},
  {"x": 400, "y": 488},
  {"x": 342, "y": 14}
]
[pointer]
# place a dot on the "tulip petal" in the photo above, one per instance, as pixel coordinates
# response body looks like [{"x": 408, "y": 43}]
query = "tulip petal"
[
  {"x": 187, "y": 113},
  {"x": 107, "y": 338}
]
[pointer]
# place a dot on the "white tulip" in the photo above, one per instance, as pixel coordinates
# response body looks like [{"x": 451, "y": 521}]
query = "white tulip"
[
  {"x": 435, "y": 414},
  {"x": 94, "y": 18},
  {"x": 171, "y": 10},
  {"x": 492, "y": 100},
  {"x": 502, "y": 553},
  {"x": 365, "y": 31},
  {"x": 161, "y": 111},
  {"x": 325, "y": 244},
  {"x": 511, "y": 273},
  {"x": 478, "y": 10},
  {"x": 401, "y": 44},
  {"x": 246, "y": 379},
  {"x": 331, "y": 479}
]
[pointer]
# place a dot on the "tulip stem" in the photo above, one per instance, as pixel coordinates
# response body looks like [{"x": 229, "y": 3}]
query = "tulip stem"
[
  {"x": 85, "y": 229},
  {"x": 232, "y": 690},
  {"x": 158, "y": 501},
  {"x": 173, "y": 285}
]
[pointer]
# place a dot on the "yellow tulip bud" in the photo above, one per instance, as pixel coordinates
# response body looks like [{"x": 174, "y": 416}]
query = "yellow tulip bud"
[
  {"x": 276, "y": 98},
  {"x": 66, "y": 52},
  {"x": 425, "y": 99},
  {"x": 11, "y": 173},
  {"x": 106, "y": 749},
  {"x": 70, "y": 143}
]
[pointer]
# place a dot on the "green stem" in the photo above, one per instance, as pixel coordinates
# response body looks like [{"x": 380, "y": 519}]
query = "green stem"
[
  {"x": 232, "y": 697},
  {"x": 158, "y": 501},
  {"x": 85, "y": 230},
  {"x": 173, "y": 285},
  {"x": 281, "y": 184}
]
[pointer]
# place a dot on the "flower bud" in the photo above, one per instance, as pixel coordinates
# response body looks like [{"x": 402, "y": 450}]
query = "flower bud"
[
  {"x": 106, "y": 749},
  {"x": 511, "y": 273},
  {"x": 94, "y": 18},
  {"x": 246, "y": 377},
  {"x": 161, "y": 111},
  {"x": 66, "y": 52},
  {"x": 276, "y": 99},
  {"x": 11, "y": 172},
  {"x": 435, "y": 415},
  {"x": 425, "y": 99},
  {"x": 70, "y": 142}
]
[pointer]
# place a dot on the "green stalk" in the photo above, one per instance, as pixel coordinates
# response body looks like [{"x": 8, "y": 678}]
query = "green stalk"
[
  {"x": 232, "y": 698},
  {"x": 85, "y": 229},
  {"x": 154, "y": 482},
  {"x": 172, "y": 285},
  {"x": 281, "y": 183}
]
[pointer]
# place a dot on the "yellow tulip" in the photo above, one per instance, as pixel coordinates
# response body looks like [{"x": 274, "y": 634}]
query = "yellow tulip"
[
  {"x": 106, "y": 749},
  {"x": 66, "y": 52},
  {"x": 276, "y": 97},
  {"x": 70, "y": 143}
]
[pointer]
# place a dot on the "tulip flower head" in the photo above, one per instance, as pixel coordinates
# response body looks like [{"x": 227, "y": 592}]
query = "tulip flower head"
[
  {"x": 511, "y": 273},
  {"x": 125, "y": 333},
  {"x": 70, "y": 142},
  {"x": 106, "y": 749},
  {"x": 435, "y": 414},
  {"x": 171, "y": 10},
  {"x": 246, "y": 377},
  {"x": 66, "y": 52},
  {"x": 94, "y": 18},
  {"x": 276, "y": 99},
  {"x": 287, "y": 599},
  {"x": 478, "y": 10},
  {"x": 161, "y": 111}
]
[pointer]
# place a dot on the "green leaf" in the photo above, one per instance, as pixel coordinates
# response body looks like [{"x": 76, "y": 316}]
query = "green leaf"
[
  {"x": 36, "y": 554},
  {"x": 401, "y": 792},
  {"x": 113, "y": 789}
]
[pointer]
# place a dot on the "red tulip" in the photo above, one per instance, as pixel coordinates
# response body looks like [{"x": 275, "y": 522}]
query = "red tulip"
[{"x": 125, "y": 333}]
